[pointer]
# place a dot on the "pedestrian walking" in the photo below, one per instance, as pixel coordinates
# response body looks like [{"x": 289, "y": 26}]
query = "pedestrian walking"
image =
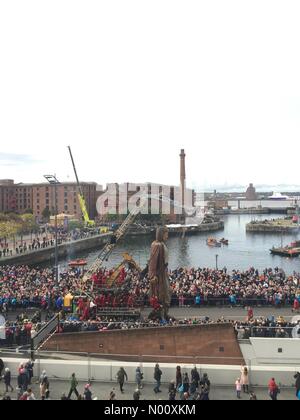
[
  {"x": 238, "y": 387},
  {"x": 157, "y": 378},
  {"x": 7, "y": 380},
  {"x": 74, "y": 384},
  {"x": 178, "y": 377},
  {"x": 121, "y": 376},
  {"x": 139, "y": 377},
  {"x": 273, "y": 389}
]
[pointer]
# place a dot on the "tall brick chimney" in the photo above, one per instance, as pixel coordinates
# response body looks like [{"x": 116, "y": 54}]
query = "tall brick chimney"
[{"x": 182, "y": 175}]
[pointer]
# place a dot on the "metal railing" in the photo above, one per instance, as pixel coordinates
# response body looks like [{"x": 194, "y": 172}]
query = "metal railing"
[{"x": 249, "y": 331}]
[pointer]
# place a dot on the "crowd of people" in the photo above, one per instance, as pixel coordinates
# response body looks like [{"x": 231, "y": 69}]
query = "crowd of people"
[
  {"x": 19, "y": 332},
  {"x": 250, "y": 287},
  {"x": 42, "y": 241},
  {"x": 21, "y": 286},
  {"x": 187, "y": 385}
]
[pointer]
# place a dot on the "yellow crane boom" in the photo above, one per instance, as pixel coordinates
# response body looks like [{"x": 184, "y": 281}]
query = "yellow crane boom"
[{"x": 82, "y": 204}]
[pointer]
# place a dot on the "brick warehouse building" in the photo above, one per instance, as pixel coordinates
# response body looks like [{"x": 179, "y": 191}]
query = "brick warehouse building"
[
  {"x": 18, "y": 198},
  {"x": 15, "y": 198}
]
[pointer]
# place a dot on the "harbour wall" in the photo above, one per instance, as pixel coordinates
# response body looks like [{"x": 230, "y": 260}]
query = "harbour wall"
[
  {"x": 262, "y": 228},
  {"x": 48, "y": 254}
]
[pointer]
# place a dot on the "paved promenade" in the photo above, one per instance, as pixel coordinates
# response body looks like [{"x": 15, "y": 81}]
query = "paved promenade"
[
  {"x": 236, "y": 313},
  {"x": 102, "y": 390}
]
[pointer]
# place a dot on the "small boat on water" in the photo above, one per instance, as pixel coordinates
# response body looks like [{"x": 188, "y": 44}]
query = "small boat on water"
[
  {"x": 224, "y": 241},
  {"x": 78, "y": 263},
  {"x": 213, "y": 242},
  {"x": 292, "y": 250}
]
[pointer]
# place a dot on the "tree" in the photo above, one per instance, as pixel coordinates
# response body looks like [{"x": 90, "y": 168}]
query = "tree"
[
  {"x": 9, "y": 229},
  {"x": 28, "y": 223},
  {"x": 46, "y": 213},
  {"x": 28, "y": 211}
]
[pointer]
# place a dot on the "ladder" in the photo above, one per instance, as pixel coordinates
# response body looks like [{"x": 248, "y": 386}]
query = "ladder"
[{"x": 109, "y": 247}]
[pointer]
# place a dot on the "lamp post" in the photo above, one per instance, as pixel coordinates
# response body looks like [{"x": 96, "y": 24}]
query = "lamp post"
[
  {"x": 53, "y": 181},
  {"x": 217, "y": 261}
]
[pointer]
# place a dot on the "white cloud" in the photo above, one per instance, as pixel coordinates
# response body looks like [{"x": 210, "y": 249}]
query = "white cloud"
[{"x": 130, "y": 83}]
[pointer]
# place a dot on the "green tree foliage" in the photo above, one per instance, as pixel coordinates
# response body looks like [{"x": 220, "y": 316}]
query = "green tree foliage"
[
  {"x": 14, "y": 224},
  {"x": 46, "y": 213}
]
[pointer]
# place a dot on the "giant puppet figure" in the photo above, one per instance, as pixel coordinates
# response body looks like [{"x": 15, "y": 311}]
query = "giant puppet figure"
[{"x": 160, "y": 293}]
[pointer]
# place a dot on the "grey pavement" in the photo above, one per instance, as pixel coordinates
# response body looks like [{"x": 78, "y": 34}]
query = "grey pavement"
[
  {"x": 235, "y": 313},
  {"x": 102, "y": 391}
]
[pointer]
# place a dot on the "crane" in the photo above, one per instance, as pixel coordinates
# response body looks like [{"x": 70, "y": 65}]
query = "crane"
[
  {"x": 110, "y": 246},
  {"x": 85, "y": 214},
  {"x": 121, "y": 232}
]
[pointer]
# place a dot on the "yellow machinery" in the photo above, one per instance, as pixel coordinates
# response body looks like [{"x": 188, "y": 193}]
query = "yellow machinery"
[
  {"x": 85, "y": 214},
  {"x": 127, "y": 260}
]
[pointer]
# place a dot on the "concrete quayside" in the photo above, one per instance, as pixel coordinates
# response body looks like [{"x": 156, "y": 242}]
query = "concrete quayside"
[{"x": 48, "y": 254}]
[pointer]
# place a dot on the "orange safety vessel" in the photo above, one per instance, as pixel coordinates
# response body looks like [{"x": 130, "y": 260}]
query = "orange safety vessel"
[{"x": 77, "y": 263}]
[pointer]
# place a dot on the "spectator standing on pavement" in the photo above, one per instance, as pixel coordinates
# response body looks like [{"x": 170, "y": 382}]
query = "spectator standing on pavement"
[
  {"x": 250, "y": 313},
  {"x": 297, "y": 384},
  {"x": 139, "y": 377},
  {"x": 121, "y": 376},
  {"x": 74, "y": 384},
  {"x": 7, "y": 380},
  {"x": 112, "y": 395},
  {"x": 172, "y": 391},
  {"x": 157, "y": 378},
  {"x": 273, "y": 389},
  {"x": 238, "y": 387},
  {"x": 30, "y": 395},
  {"x": 195, "y": 376},
  {"x": 44, "y": 386},
  {"x": 1, "y": 368},
  {"x": 204, "y": 392},
  {"x": 178, "y": 377},
  {"x": 193, "y": 387},
  {"x": 87, "y": 392},
  {"x": 136, "y": 395},
  {"x": 205, "y": 381},
  {"x": 186, "y": 382},
  {"x": 29, "y": 369},
  {"x": 23, "y": 380},
  {"x": 245, "y": 379}
]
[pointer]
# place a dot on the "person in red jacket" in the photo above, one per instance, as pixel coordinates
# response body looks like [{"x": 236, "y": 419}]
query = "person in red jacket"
[
  {"x": 250, "y": 313},
  {"x": 296, "y": 305},
  {"x": 273, "y": 389}
]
